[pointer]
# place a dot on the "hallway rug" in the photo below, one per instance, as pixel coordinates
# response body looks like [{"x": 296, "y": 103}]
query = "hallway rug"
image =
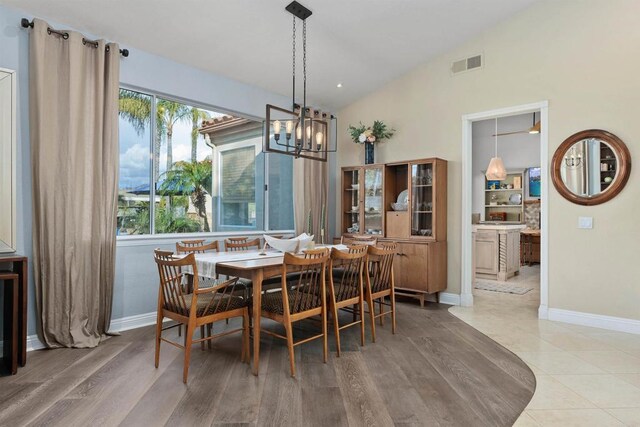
[{"x": 503, "y": 287}]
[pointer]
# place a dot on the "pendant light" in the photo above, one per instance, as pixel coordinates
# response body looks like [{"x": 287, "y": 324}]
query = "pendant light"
[
  {"x": 306, "y": 130},
  {"x": 496, "y": 170},
  {"x": 535, "y": 129}
]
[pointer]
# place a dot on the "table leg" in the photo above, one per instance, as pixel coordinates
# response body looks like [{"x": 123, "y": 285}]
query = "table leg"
[
  {"x": 256, "y": 279},
  {"x": 21, "y": 268}
]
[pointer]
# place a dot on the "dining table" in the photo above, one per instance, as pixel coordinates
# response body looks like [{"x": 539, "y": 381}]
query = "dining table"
[{"x": 254, "y": 265}]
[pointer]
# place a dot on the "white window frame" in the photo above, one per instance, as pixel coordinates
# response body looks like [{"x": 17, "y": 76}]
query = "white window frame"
[
  {"x": 256, "y": 142},
  {"x": 156, "y": 238}
]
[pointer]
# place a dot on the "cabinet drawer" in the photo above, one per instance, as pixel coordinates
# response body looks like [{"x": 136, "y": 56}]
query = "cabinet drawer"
[
  {"x": 398, "y": 225},
  {"x": 487, "y": 235}
]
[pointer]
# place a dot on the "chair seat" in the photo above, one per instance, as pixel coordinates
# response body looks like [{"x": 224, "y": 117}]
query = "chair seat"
[
  {"x": 220, "y": 303},
  {"x": 272, "y": 302}
]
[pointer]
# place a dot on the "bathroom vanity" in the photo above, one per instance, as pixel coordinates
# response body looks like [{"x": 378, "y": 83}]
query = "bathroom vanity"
[{"x": 496, "y": 250}]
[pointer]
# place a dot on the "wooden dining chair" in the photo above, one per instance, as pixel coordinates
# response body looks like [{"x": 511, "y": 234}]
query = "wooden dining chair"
[
  {"x": 379, "y": 284},
  {"x": 238, "y": 239},
  {"x": 196, "y": 246},
  {"x": 232, "y": 244},
  {"x": 346, "y": 289},
  {"x": 202, "y": 307},
  {"x": 299, "y": 298}
]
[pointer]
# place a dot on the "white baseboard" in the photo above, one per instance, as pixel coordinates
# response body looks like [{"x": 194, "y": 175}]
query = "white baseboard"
[
  {"x": 118, "y": 325},
  {"x": 133, "y": 322},
  {"x": 466, "y": 300},
  {"x": 543, "y": 312},
  {"x": 619, "y": 324},
  {"x": 33, "y": 343},
  {"x": 451, "y": 299}
]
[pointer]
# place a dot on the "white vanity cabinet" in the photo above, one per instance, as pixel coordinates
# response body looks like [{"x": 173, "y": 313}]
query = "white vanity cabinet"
[{"x": 496, "y": 251}]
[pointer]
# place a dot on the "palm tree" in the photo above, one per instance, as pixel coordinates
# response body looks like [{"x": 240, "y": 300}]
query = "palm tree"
[
  {"x": 193, "y": 179},
  {"x": 135, "y": 107},
  {"x": 168, "y": 113},
  {"x": 197, "y": 117}
]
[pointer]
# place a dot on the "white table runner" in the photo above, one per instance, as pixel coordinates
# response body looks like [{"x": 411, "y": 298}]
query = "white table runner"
[{"x": 206, "y": 262}]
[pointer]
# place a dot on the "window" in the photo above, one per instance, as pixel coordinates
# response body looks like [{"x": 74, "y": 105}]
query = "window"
[
  {"x": 135, "y": 166},
  {"x": 237, "y": 204},
  {"x": 534, "y": 182},
  {"x": 173, "y": 179},
  {"x": 280, "y": 192}
]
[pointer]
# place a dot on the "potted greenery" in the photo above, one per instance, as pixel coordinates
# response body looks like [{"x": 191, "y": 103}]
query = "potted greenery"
[{"x": 370, "y": 135}]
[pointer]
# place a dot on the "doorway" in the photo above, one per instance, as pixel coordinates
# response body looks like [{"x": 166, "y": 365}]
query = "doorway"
[{"x": 541, "y": 110}]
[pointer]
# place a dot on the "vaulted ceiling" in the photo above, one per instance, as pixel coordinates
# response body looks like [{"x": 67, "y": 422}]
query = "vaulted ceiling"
[{"x": 360, "y": 43}]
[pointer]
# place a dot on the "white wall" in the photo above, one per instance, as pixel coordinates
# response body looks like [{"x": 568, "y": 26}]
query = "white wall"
[
  {"x": 518, "y": 152},
  {"x": 581, "y": 56}
]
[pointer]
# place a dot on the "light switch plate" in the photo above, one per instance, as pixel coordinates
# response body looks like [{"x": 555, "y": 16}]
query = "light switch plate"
[{"x": 585, "y": 222}]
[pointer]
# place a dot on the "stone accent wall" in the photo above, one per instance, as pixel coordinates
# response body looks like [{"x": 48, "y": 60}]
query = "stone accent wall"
[{"x": 532, "y": 214}]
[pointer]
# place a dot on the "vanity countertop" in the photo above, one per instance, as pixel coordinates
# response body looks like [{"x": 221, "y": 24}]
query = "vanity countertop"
[
  {"x": 499, "y": 227},
  {"x": 531, "y": 232}
]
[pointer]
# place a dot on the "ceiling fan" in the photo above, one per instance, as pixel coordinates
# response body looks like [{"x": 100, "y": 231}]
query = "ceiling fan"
[{"x": 532, "y": 130}]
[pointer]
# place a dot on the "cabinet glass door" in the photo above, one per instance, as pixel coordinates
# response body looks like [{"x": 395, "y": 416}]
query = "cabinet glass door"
[
  {"x": 373, "y": 209},
  {"x": 422, "y": 199},
  {"x": 351, "y": 201}
]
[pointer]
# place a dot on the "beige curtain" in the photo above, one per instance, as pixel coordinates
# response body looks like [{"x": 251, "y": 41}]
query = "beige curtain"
[
  {"x": 74, "y": 158},
  {"x": 310, "y": 185}
]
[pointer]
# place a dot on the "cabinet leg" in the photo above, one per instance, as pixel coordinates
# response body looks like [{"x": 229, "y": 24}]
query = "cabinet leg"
[
  {"x": 438, "y": 297},
  {"x": 421, "y": 300}
]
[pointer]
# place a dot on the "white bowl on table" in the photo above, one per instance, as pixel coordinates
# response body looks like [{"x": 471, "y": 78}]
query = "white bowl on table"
[{"x": 294, "y": 245}]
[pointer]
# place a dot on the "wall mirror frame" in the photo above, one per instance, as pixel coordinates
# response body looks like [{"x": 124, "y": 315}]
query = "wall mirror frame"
[
  {"x": 619, "y": 175},
  {"x": 7, "y": 161}
]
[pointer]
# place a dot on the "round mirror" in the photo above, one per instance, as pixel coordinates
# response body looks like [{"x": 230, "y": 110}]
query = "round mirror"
[{"x": 591, "y": 167}]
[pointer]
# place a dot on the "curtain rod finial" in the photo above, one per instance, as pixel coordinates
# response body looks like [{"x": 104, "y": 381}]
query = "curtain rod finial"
[
  {"x": 124, "y": 52},
  {"x": 26, "y": 23}
]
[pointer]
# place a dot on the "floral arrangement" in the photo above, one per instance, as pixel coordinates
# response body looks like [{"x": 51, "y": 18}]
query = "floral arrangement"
[{"x": 376, "y": 133}]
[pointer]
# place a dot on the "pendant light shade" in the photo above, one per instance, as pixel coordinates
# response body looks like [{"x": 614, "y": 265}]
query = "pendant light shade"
[
  {"x": 496, "y": 170},
  {"x": 536, "y": 126}
]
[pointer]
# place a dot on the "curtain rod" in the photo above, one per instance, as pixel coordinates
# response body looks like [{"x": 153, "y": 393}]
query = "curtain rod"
[{"x": 29, "y": 24}]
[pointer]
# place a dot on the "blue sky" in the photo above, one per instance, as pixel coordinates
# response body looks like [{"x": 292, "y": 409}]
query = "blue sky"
[{"x": 135, "y": 152}]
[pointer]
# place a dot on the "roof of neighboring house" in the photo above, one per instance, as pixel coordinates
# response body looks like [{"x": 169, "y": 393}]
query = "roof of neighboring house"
[
  {"x": 225, "y": 128},
  {"x": 218, "y": 124}
]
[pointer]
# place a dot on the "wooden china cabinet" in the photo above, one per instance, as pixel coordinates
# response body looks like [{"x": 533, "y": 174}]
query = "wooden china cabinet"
[
  {"x": 419, "y": 227},
  {"x": 363, "y": 200}
]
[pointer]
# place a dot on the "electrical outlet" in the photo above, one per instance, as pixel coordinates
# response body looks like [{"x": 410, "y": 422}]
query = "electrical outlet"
[{"x": 585, "y": 222}]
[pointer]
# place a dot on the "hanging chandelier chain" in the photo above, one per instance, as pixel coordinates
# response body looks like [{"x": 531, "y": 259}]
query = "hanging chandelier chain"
[
  {"x": 304, "y": 65},
  {"x": 293, "y": 100},
  {"x": 496, "y": 155}
]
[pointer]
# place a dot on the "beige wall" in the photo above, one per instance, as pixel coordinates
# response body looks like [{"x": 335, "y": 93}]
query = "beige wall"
[{"x": 584, "y": 58}]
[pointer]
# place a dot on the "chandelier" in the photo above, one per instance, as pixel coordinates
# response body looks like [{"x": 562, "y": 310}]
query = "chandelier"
[{"x": 302, "y": 132}]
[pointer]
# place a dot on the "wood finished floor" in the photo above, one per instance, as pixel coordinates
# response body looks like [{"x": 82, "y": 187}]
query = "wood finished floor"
[{"x": 436, "y": 371}]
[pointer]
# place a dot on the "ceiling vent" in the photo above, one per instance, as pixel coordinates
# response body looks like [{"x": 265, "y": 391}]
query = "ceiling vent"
[{"x": 475, "y": 62}]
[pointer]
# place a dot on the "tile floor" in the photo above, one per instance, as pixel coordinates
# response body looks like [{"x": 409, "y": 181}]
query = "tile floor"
[{"x": 585, "y": 376}]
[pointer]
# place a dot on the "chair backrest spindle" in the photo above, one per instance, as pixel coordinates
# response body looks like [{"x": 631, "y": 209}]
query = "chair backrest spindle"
[
  {"x": 196, "y": 246},
  {"x": 307, "y": 288},
  {"x": 232, "y": 244},
  {"x": 346, "y": 270},
  {"x": 381, "y": 266}
]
